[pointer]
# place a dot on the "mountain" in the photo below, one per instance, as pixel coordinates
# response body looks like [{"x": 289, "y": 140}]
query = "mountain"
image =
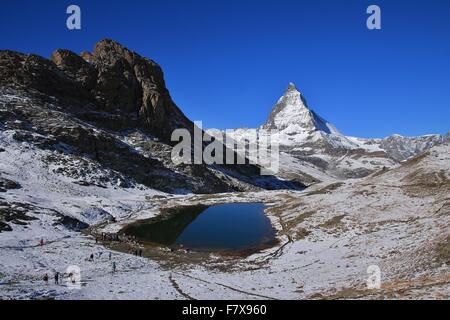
[
  {"x": 291, "y": 113},
  {"x": 105, "y": 119},
  {"x": 313, "y": 150},
  {"x": 402, "y": 148},
  {"x": 85, "y": 152}
]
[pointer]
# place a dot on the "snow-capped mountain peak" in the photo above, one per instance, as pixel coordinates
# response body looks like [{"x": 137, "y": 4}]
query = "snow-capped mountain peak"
[{"x": 293, "y": 114}]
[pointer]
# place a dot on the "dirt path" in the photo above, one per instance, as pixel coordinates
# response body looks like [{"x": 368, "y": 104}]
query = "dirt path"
[
  {"x": 228, "y": 287},
  {"x": 177, "y": 287}
]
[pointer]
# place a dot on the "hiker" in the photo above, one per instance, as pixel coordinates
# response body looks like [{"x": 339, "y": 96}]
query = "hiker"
[
  {"x": 57, "y": 278},
  {"x": 41, "y": 242},
  {"x": 92, "y": 257},
  {"x": 110, "y": 255},
  {"x": 114, "y": 266},
  {"x": 46, "y": 278}
]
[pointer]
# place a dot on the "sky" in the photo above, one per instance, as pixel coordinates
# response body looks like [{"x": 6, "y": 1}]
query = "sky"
[{"x": 226, "y": 62}]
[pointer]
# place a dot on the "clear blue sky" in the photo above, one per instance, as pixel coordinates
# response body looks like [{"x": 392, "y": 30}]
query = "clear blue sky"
[{"x": 226, "y": 62}]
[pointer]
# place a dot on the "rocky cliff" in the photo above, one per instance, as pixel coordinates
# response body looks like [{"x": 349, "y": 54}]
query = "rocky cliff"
[
  {"x": 109, "y": 110},
  {"x": 112, "y": 78}
]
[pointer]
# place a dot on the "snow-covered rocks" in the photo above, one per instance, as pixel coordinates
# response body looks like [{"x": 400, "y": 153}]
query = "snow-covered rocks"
[
  {"x": 291, "y": 114},
  {"x": 95, "y": 216},
  {"x": 313, "y": 150}
]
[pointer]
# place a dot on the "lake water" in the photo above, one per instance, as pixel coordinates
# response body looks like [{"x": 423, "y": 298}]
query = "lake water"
[{"x": 234, "y": 226}]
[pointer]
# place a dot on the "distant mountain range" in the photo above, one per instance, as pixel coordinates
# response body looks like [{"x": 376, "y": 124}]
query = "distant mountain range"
[
  {"x": 110, "y": 110},
  {"x": 313, "y": 150}
]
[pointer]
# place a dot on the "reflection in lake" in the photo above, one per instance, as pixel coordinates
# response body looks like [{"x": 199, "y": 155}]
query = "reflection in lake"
[{"x": 234, "y": 226}]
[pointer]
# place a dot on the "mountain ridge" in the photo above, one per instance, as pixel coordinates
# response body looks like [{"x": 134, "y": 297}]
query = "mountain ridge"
[
  {"x": 110, "y": 107},
  {"x": 313, "y": 150}
]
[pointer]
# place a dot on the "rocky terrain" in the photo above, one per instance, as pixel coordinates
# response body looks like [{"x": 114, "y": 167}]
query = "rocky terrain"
[
  {"x": 107, "y": 117},
  {"x": 85, "y": 150}
]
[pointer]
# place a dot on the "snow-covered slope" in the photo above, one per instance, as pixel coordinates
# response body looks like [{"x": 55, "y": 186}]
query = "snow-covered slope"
[
  {"x": 329, "y": 235},
  {"x": 44, "y": 184},
  {"x": 400, "y": 147}
]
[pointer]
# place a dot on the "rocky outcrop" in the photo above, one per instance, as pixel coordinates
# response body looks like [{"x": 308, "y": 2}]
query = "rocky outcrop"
[
  {"x": 135, "y": 84},
  {"x": 76, "y": 68},
  {"x": 6, "y": 184},
  {"x": 112, "y": 78},
  {"x": 35, "y": 72}
]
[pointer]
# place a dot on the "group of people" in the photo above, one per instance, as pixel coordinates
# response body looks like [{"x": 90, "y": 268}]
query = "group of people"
[
  {"x": 135, "y": 251},
  {"x": 107, "y": 237},
  {"x": 91, "y": 257},
  {"x": 56, "y": 277},
  {"x": 104, "y": 236},
  {"x": 134, "y": 247}
]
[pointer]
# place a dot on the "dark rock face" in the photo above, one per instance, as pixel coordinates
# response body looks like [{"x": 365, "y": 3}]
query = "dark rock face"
[
  {"x": 76, "y": 68},
  {"x": 136, "y": 84},
  {"x": 112, "y": 78},
  {"x": 6, "y": 184},
  {"x": 4, "y": 227},
  {"x": 14, "y": 214},
  {"x": 35, "y": 72}
]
